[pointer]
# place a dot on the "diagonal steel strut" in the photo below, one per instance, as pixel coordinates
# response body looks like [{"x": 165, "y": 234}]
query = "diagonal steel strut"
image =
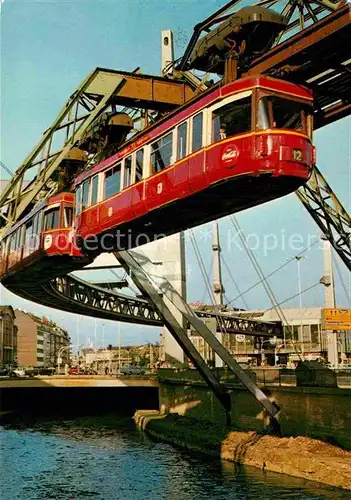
[
  {"x": 327, "y": 211},
  {"x": 143, "y": 275},
  {"x": 147, "y": 288}
]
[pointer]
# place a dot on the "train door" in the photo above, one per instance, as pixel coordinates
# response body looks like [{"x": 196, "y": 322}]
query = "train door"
[
  {"x": 140, "y": 173},
  {"x": 93, "y": 204},
  {"x": 181, "y": 151},
  {"x": 229, "y": 136},
  {"x": 51, "y": 225},
  {"x": 197, "y": 180}
]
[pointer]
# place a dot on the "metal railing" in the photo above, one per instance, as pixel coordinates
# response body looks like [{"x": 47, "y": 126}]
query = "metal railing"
[{"x": 265, "y": 376}]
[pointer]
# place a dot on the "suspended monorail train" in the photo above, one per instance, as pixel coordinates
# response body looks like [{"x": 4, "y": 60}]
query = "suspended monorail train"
[
  {"x": 41, "y": 245},
  {"x": 234, "y": 147}
]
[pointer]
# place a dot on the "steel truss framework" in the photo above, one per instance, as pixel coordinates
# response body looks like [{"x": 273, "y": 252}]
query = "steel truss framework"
[
  {"x": 103, "y": 89},
  {"x": 94, "y": 300},
  {"x": 235, "y": 324},
  {"x": 155, "y": 287},
  {"x": 327, "y": 211},
  {"x": 83, "y": 297},
  {"x": 299, "y": 14},
  {"x": 318, "y": 57}
]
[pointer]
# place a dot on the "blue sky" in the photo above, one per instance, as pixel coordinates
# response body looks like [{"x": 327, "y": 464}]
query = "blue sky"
[{"x": 48, "y": 48}]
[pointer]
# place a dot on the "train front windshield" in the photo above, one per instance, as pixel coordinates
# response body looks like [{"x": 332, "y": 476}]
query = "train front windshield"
[{"x": 277, "y": 112}]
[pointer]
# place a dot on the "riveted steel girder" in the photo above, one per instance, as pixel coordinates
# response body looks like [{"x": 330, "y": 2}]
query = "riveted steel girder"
[
  {"x": 236, "y": 324},
  {"x": 327, "y": 211},
  {"x": 75, "y": 295},
  {"x": 102, "y": 89}
]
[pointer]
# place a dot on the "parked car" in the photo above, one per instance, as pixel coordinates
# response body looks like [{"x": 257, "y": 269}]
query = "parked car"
[
  {"x": 73, "y": 371},
  {"x": 19, "y": 372},
  {"x": 132, "y": 370},
  {"x": 32, "y": 371},
  {"x": 87, "y": 371}
]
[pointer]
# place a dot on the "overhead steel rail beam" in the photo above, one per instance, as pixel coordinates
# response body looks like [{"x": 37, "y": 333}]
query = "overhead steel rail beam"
[
  {"x": 327, "y": 211},
  {"x": 318, "y": 56},
  {"x": 235, "y": 324},
  {"x": 154, "y": 287},
  {"x": 72, "y": 294},
  {"x": 102, "y": 89}
]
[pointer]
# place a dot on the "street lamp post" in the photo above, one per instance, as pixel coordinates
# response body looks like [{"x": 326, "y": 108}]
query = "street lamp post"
[
  {"x": 262, "y": 353},
  {"x": 59, "y": 359},
  {"x": 119, "y": 349},
  {"x": 59, "y": 354},
  {"x": 151, "y": 357}
]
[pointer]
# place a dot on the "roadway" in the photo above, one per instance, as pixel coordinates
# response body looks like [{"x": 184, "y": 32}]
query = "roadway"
[{"x": 77, "y": 381}]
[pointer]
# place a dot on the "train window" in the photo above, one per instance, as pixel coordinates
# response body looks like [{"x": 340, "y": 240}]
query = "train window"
[
  {"x": 52, "y": 219},
  {"x": 181, "y": 141},
  {"x": 85, "y": 194},
  {"x": 3, "y": 247},
  {"x": 94, "y": 190},
  {"x": 78, "y": 200},
  {"x": 232, "y": 119},
  {"x": 113, "y": 181},
  {"x": 127, "y": 176},
  {"x": 18, "y": 238},
  {"x": 29, "y": 230},
  {"x": 197, "y": 132},
  {"x": 277, "y": 112},
  {"x": 67, "y": 216},
  {"x": 161, "y": 153},
  {"x": 139, "y": 165},
  {"x": 36, "y": 229},
  {"x": 13, "y": 243}
]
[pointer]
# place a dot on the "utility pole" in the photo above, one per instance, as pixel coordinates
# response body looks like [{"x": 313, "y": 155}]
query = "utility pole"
[
  {"x": 298, "y": 258},
  {"x": 218, "y": 289},
  {"x": 217, "y": 285},
  {"x": 151, "y": 357},
  {"x": 329, "y": 301}
]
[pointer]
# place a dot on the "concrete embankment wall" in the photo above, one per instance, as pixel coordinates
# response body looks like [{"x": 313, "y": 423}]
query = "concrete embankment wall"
[
  {"x": 77, "y": 400},
  {"x": 297, "y": 456},
  {"x": 322, "y": 413}
]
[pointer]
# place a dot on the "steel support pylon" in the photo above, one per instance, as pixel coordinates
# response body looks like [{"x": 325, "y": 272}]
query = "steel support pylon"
[
  {"x": 327, "y": 211},
  {"x": 143, "y": 274}
]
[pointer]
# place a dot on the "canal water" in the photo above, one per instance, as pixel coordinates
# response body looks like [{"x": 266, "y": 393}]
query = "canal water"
[{"x": 107, "y": 457}]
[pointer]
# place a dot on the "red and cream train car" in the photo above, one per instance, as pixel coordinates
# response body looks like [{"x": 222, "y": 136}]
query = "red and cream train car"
[
  {"x": 41, "y": 242},
  {"x": 234, "y": 147}
]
